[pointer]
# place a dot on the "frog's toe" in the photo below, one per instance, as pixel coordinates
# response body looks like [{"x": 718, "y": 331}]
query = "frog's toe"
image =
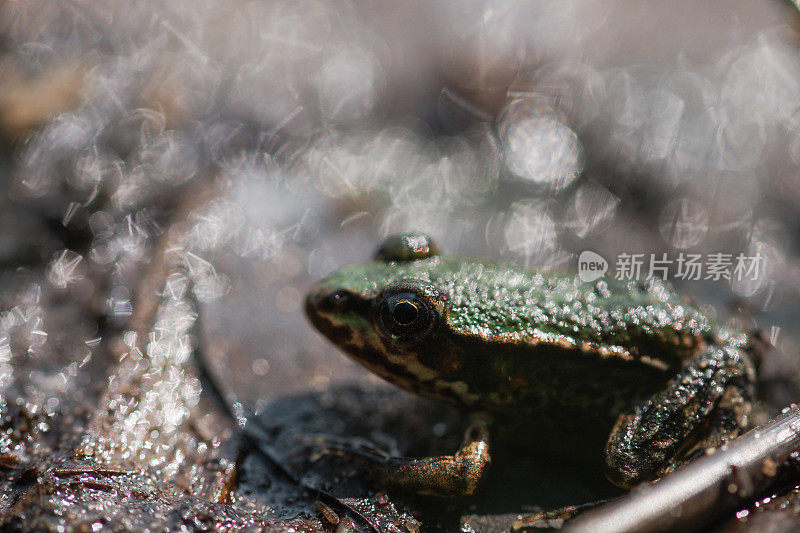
[
  {"x": 625, "y": 468},
  {"x": 626, "y": 471},
  {"x": 630, "y": 456}
]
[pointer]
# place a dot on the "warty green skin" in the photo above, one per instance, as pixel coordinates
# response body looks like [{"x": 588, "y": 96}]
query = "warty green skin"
[{"x": 549, "y": 352}]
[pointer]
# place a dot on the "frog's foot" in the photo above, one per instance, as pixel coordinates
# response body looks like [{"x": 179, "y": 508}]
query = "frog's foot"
[
  {"x": 449, "y": 475},
  {"x": 706, "y": 404}
]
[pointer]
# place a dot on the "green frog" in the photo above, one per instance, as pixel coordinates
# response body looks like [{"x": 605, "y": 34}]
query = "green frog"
[{"x": 542, "y": 352}]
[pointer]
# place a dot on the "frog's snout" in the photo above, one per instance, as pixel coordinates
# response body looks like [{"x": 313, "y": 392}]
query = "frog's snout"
[
  {"x": 317, "y": 301},
  {"x": 325, "y": 306},
  {"x": 322, "y": 300},
  {"x": 337, "y": 313},
  {"x": 313, "y": 300},
  {"x": 319, "y": 308}
]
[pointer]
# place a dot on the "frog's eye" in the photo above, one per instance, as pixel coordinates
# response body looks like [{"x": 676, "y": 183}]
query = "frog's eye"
[
  {"x": 406, "y": 247},
  {"x": 404, "y": 315}
]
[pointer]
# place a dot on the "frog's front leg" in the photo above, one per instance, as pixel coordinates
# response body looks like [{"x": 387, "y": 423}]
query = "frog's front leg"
[
  {"x": 449, "y": 475},
  {"x": 709, "y": 398}
]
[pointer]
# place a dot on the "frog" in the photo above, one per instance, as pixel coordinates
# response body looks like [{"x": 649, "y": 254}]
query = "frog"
[{"x": 545, "y": 352}]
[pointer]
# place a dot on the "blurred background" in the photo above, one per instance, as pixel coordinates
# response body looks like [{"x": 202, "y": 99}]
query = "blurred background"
[{"x": 524, "y": 131}]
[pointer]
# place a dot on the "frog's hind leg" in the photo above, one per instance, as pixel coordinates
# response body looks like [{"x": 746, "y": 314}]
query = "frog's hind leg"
[
  {"x": 705, "y": 404},
  {"x": 449, "y": 475}
]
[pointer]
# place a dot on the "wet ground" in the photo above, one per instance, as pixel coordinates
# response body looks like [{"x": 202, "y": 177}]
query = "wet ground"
[{"x": 174, "y": 176}]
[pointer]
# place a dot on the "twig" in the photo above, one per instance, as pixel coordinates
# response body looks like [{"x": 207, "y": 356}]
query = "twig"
[{"x": 696, "y": 495}]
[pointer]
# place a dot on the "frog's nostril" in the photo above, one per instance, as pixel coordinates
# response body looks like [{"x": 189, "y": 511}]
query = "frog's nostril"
[
  {"x": 332, "y": 301},
  {"x": 339, "y": 298},
  {"x": 322, "y": 300}
]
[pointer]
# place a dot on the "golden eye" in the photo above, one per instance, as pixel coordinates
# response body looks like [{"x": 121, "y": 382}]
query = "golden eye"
[{"x": 404, "y": 315}]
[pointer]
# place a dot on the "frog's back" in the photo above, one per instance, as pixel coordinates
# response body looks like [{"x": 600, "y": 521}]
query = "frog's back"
[{"x": 500, "y": 301}]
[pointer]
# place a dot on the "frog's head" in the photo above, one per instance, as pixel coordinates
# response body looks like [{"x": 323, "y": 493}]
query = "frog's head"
[{"x": 386, "y": 314}]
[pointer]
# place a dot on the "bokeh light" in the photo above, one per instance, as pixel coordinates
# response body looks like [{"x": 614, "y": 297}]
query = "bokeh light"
[{"x": 287, "y": 138}]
